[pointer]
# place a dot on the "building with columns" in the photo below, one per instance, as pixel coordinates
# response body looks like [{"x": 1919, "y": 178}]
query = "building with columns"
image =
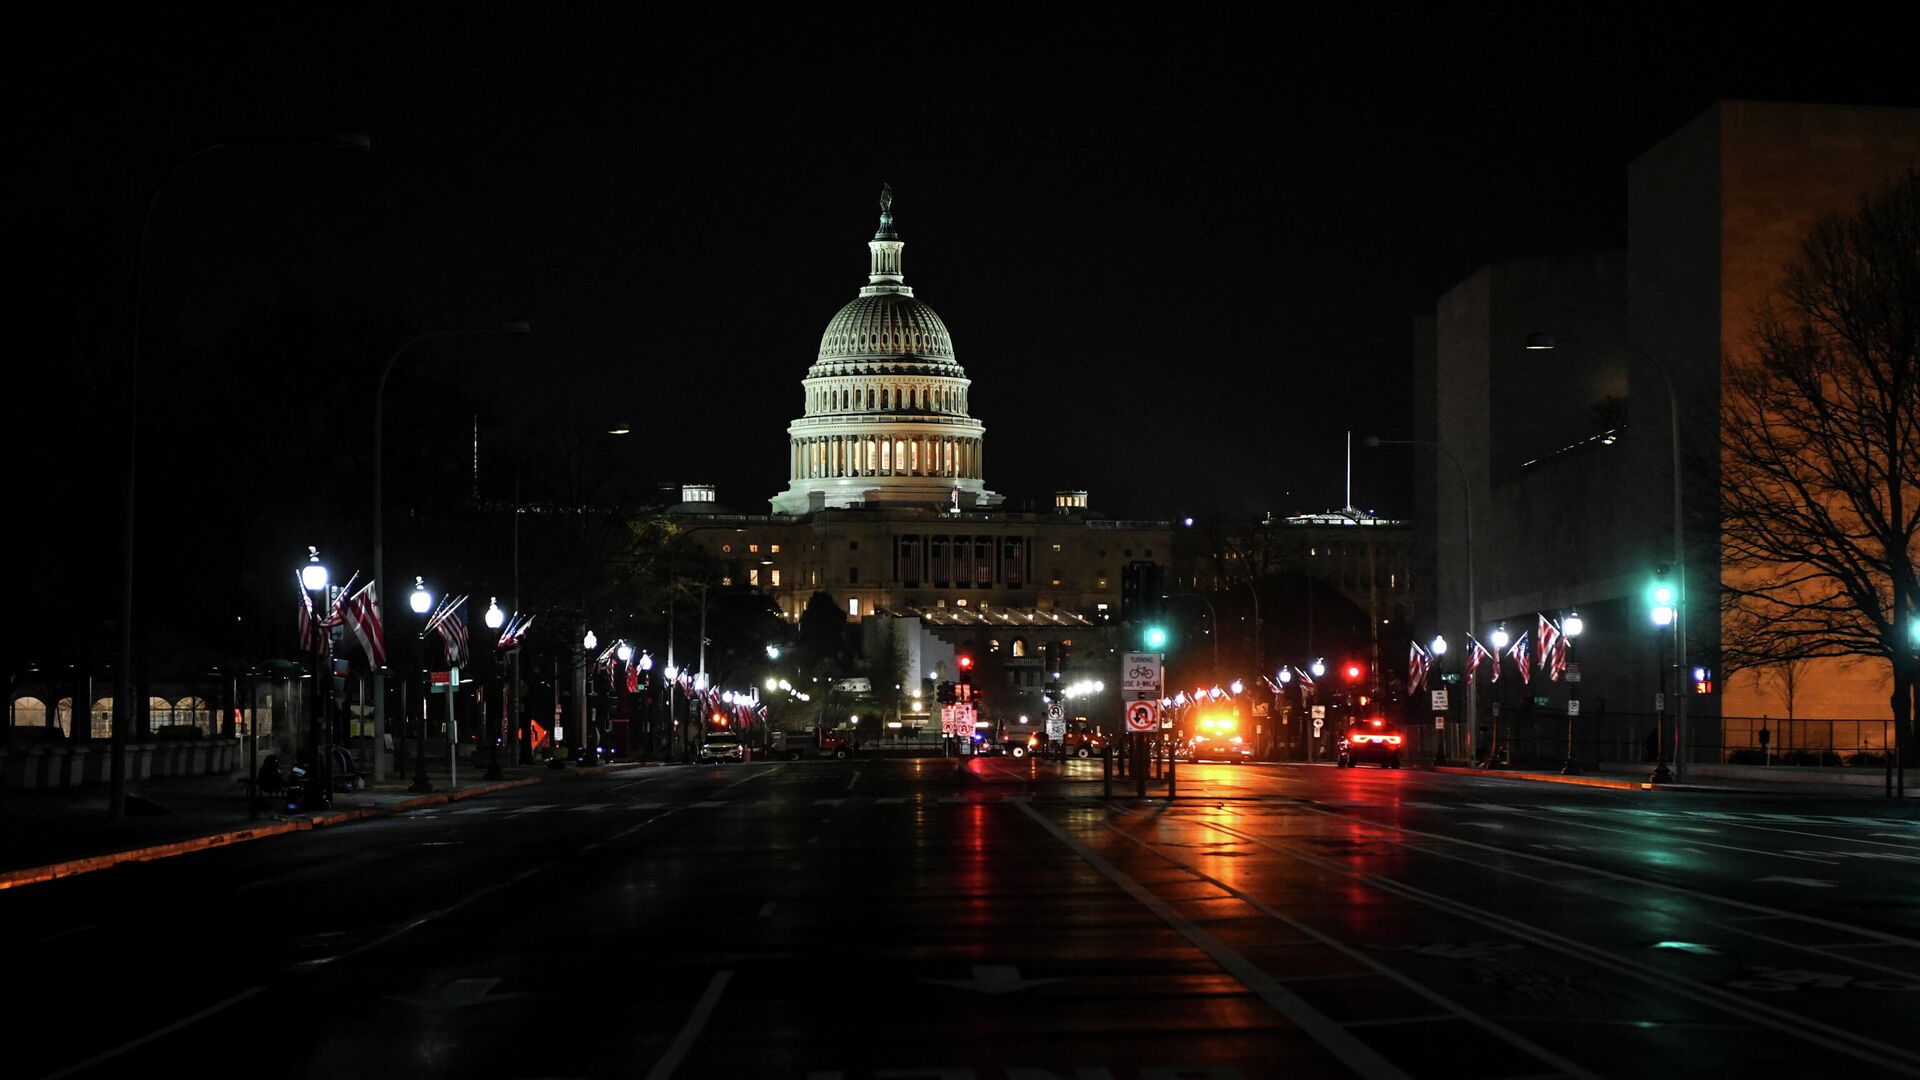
[{"x": 886, "y": 421}]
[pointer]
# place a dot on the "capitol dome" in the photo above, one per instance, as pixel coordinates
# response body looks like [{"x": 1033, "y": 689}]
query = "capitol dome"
[{"x": 886, "y": 419}]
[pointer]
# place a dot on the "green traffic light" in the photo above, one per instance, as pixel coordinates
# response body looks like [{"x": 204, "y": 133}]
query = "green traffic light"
[{"x": 1156, "y": 637}]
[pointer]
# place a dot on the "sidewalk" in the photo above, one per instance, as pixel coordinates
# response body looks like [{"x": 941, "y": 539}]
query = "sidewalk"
[
  {"x": 1704, "y": 778},
  {"x": 48, "y": 834}
]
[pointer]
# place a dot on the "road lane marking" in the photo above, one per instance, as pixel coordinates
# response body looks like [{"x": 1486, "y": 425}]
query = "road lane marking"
[
  {"x": 109, "y": 1055},
  {"x": 1761, "y": 911},
  {"x": 683, "y": 1042},
  {"x": 855, "y": 780},
  {"x": 1791, "y": 1023},
  {"x": 1352, "y": 1051}
]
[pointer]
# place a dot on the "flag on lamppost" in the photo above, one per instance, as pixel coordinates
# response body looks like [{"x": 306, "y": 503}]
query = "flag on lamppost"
[
  {"x": 363, "y": 617},
  {"x": 1520, "y": 659},
  {"x": 451, "y": 626},
  {"x": 309, "y": 626},
  {"x": 516, "y": 630},
  {"x": 1477, "y": 652},
  {"x": 1417, "y": 663},
  {"x": 1553, "y": 648}
]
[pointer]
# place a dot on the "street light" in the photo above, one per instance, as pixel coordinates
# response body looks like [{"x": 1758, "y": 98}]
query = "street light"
[
  {"x": 379, "y": 564},
  {"x": 1571, "y": 629},
  {"x": 123, "y": 703},
  {"x": 1543, "y": 342},
  {"x": 421, "y": 601},
  {"x": 1473, "y": 602},
  {"x": 589, "y": 755},
  {"x": 314, "y": 578},
  {"x": 495, "y": 617}
]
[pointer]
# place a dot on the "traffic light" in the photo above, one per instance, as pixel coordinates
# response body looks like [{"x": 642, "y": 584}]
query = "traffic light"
[
  {"x": 964, "y": 690},
  {"x": 944, "y": 692},
  {"x": 1141, "y": 584},
  {"x": 1352, "y": 671},
  {"x": 1702, "y": 680},
  {"x": 1052, "y": 692},
  {"x": 1154, "y": 637},
  {"x": 1661, "y": 600}
]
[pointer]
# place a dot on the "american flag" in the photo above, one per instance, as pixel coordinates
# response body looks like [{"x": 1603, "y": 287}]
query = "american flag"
[
  {"x": 453, "y": 631},
  {"x": 1417, "y": 661},
  {"x": 363, "y": 617},
  {"x": 515, "y": 631},
  {"x": 1477, "y": 652},
  {"x": 309, "y": 629},
  {"x": 1519, "y": 654},
  {"x": 1553, "y": 648},
  {"x": 452, "y": 627}
]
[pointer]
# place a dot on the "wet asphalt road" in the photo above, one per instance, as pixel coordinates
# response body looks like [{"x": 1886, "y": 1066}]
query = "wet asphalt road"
[{"x": 997, "y": 918}]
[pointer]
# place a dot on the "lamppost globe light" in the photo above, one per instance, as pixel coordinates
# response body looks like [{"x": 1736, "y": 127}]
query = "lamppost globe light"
[
  {"x": 673, "y": 672},
  {"x": 773, "y": 652},
  {"x": 495, "y": 617},
  {"x": 624, "y": 652},
  {"x": 421, "y": 601},
  {"x": 1238, "y": 687},
  {"x": 1574, "y": 625},
  {"x": 772, "y": 683},
  {"x": 590, "y": 641},
  {"x": 1499, "y": 637},
  {"x": 1286, "y": 675},
  {"x": 1439, "y": 645},
  {"x": 313, "y": 576},
  {"x": 646, "y": 661},
  {"x": 1318, "y": 667}
]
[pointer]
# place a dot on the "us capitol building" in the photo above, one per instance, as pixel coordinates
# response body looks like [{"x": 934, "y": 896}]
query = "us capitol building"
[{"x": 886, "y": 506}]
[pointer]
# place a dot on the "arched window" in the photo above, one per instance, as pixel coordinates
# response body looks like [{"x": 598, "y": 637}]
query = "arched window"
[{"x": 1019, "y": 647}]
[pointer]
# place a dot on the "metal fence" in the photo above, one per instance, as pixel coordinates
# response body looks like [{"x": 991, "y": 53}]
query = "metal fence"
[{"x": 1540, "y": 740}]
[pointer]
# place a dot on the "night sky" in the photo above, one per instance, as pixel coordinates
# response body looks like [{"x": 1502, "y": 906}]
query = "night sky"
[{"x": 1179, "y": 252}]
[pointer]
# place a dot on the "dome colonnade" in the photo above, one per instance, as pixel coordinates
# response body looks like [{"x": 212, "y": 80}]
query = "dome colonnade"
[{"x": 886, "y": 404}]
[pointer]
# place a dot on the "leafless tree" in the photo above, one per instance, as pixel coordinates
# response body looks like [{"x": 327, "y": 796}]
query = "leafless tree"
[{"x": 1820, "y": 451}]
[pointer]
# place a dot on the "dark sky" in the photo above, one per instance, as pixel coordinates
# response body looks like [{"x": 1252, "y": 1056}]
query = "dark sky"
[{"x": 1179, "y": 252}]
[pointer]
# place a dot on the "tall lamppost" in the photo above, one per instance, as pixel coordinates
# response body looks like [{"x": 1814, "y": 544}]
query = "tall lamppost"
[
  {"x": 421, "y": 601},
  {"x": 1501, "y": 639},
  {"x": 1571, "y": 628},
  {"x": 1438, "y": 646},
  {"x": 1473, "y": 601},
  {"x": 1541, "y": 342},
  {"x": 588, "y": 643},
  {"x": 653, "y": 694},
  {"x": 379, "y": 565},
  {"x": 123, "y": 703},
  {"x": 495, "y": 619},
  {"x": 314, "y": 578}
]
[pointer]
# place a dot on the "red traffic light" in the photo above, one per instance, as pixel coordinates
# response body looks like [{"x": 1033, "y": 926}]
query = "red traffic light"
[
  {"x": 1353, "y": 672},
  {"x": 965, "y": 662}
]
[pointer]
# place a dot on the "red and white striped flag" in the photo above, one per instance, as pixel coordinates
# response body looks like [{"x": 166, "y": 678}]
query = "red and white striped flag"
[
  {"x": 1519, "y": 655},
  {"x": 1477, "y": 652},
  {"x": 309, "y": 630},
  {"x": 1553, "y": 649},
  {"x": 363, "y": 618},
  {"x": 1417, "y": 663}
]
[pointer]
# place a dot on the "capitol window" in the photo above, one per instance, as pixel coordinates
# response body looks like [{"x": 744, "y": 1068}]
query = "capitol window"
[{"x": 775, "y": 549}]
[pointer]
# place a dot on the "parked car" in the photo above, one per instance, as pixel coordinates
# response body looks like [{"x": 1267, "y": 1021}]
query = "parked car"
[{"x": 717, "y": 748}]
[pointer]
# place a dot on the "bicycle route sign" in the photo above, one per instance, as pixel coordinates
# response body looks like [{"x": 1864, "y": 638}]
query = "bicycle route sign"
[{"x": 1141, "y": 675}]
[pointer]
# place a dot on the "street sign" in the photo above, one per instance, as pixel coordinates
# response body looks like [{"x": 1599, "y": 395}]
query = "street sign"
[
  {"x": 442, "y": 681},
  {"x": 1573, "y": 673},
  {"x": 1439, "y": 701},
  {"x": 1319, "y": 714},
  {"x": 1143, "y": 716},
  {"x": 1541, "y": 699},
  {"x": 1318, "y": 723},
  {"x": 1141, "y": 674},
  {"x": 1573, "y": 707},
  {"x": 1439, "y": 723},
  {"x": 1054, "y": 711},
  {"x": 1056, "y": 727},
  {"x": 957, "y": 720},
  {"x": 1659, "y": 702}
]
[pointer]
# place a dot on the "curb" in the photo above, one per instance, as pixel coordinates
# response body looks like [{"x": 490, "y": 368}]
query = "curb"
[
  {"x": 1551, "y": 778},
  {"x": 35, "y": 874}
]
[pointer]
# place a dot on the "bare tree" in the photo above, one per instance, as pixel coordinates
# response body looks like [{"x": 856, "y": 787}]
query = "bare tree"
[{"x": 1820, "y": 451}]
